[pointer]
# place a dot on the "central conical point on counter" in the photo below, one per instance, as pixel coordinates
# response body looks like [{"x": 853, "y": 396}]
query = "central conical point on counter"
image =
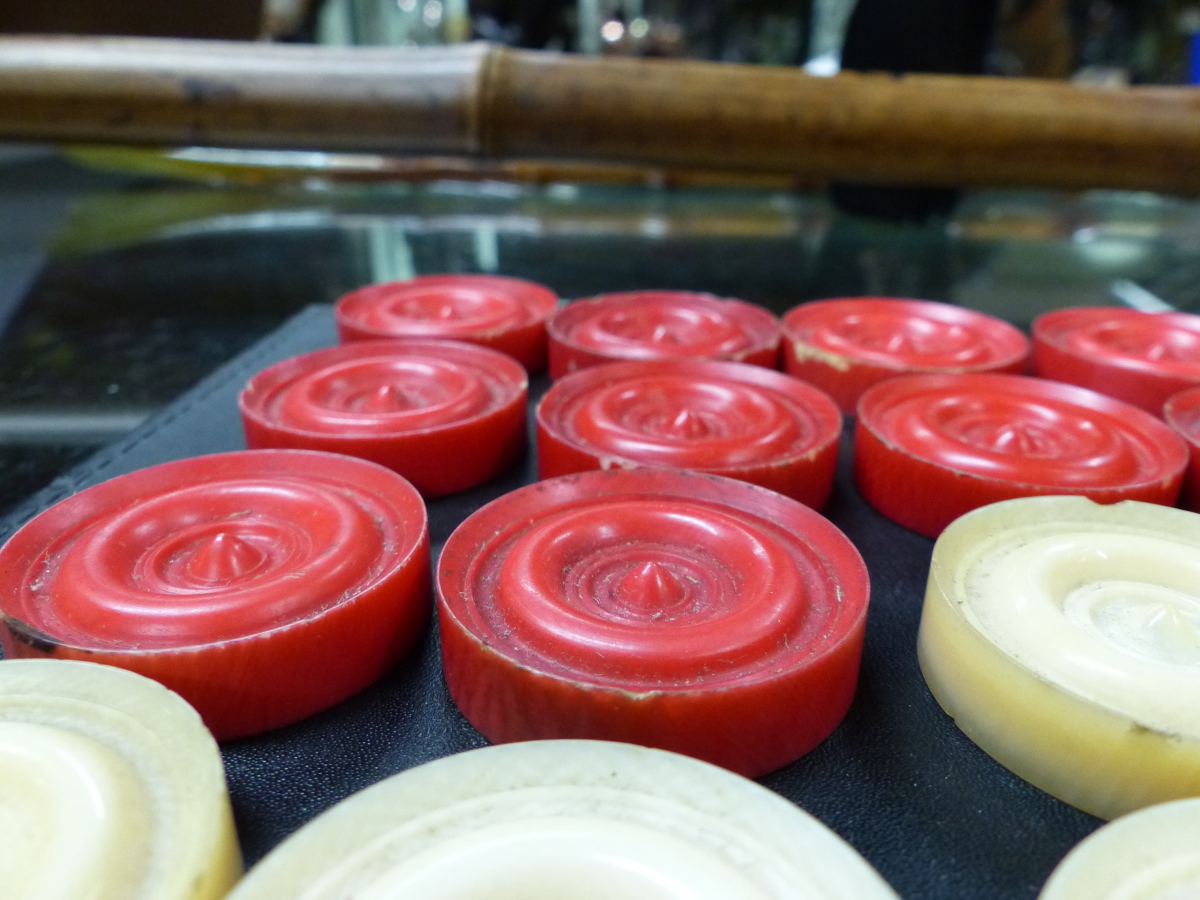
[
  {"x": 224, "y": 557},
  {"x": 687, "y": 424},
  {"x": 386, "y": 398},
  {"x": 649, "y": 588}
]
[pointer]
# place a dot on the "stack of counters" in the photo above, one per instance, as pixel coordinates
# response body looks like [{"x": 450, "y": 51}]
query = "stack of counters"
[
  {"x": 660, "y": 325},
  {"x": 1139, "y": 357},
  {"x": 1150, "y": 854},
  {"x": 503, "y": 314},
  {"x": 845, "y": 346},
  {"x": 659, "y": 607},
  {"x": 262, "y": 586},
  {"x": 1063, "y": 636},
  {"x": 728, "y": 419},
  {"x": 110, "y": 788},
  {"x": 1182, "y": 412},
  {"x": 928, "y": 448},
  {"x": 444, "y": 414},
  {"x": 582, "y": 819}
]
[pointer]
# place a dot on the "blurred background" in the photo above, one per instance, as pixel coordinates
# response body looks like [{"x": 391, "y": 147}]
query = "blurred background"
[{"x": 1135, "y": 41}]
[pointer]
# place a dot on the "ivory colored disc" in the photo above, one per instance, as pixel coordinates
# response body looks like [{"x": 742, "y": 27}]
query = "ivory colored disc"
[
  {"x": 1152, "y": 854},
  {"x": 545, "y": 820},
  {"x": 110, "y": 789},
  {"x": 1064, "y": 638}
]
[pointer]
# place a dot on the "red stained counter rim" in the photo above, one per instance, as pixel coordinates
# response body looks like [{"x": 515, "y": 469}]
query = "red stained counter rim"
[
  {"x": 210, "y": 549},
  {"x": 1022, "y": 430},
  {"x": 665, "y": 325},
  {"x": 902, "y": 334},
  {"x": 652, "y": 580},
  {"x": 262, "y": 586},
  {"x": 376, "y": 388},
  {"x": 445, "y": 306},
  {"x": 1166, "y": 344},
  {"x": 653, "y": 606},
  {"x": 696, "y": 415}
]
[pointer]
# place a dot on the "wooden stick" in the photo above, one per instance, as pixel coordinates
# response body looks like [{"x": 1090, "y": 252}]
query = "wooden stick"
[{"x": 494, "y": 102}]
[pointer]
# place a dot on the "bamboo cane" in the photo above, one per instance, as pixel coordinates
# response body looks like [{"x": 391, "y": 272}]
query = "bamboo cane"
[{"x": 494, "y": 102}]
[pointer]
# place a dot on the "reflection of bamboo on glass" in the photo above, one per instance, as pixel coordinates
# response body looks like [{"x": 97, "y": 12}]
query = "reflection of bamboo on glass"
[{"x": 495, "y": 102}]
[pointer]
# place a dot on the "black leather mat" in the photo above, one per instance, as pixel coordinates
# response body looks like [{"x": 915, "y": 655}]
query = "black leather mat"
[{"x": 935, "y": 815}]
